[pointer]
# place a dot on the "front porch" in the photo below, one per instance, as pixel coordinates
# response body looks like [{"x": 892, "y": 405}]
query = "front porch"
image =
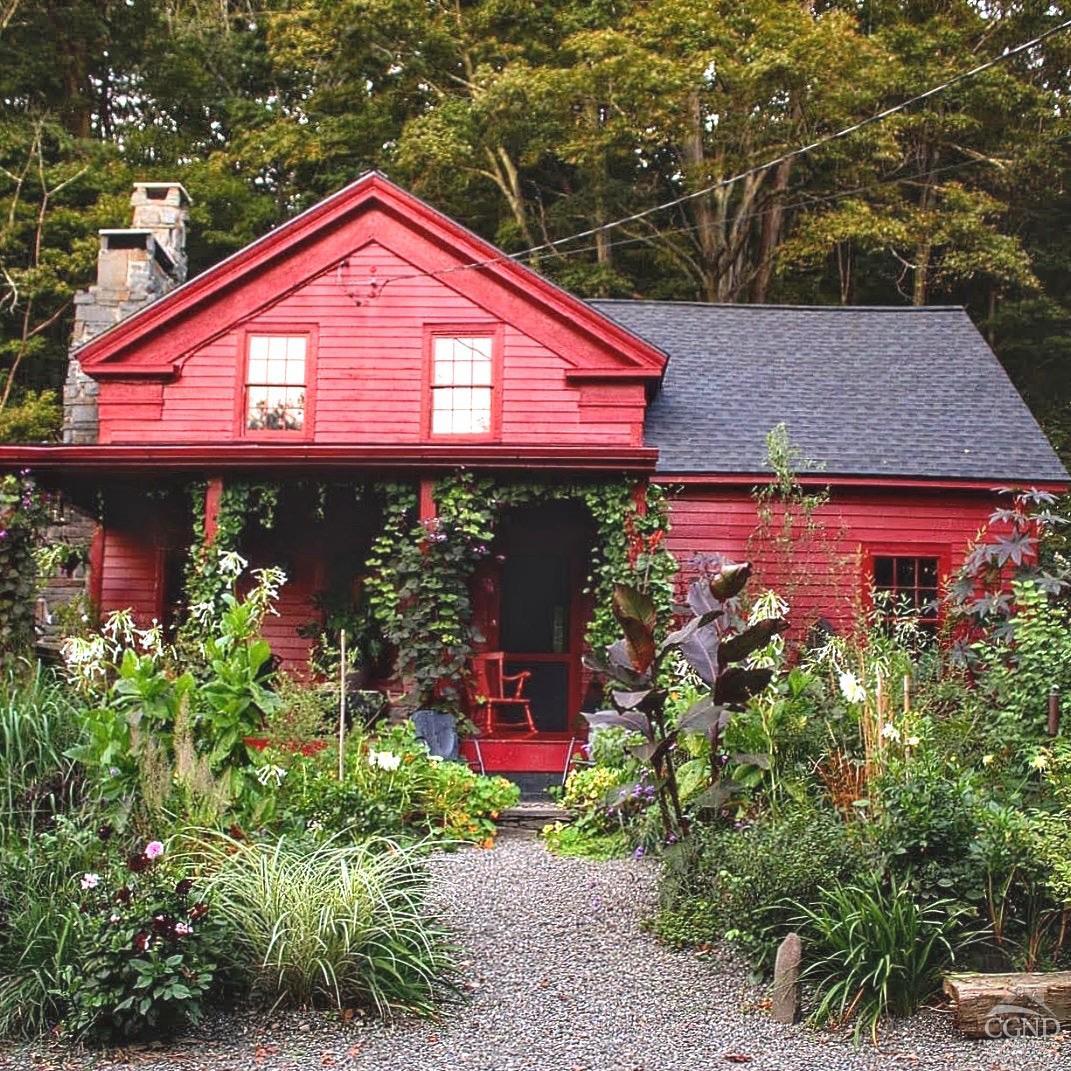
[{"x": 429, "y": 577}]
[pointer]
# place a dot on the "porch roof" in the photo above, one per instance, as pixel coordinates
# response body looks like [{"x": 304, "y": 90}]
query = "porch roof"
[{"x": 310, "y": 457}]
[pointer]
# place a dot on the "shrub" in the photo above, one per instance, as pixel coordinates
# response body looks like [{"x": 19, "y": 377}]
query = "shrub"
[
  {"x": 330, "y": 923},
  {"x": 391, "y": 786},
  {"x": 880, "y": 953},
  {"x": 726, "y": 883},
  {"x": 148, "y": 945}
]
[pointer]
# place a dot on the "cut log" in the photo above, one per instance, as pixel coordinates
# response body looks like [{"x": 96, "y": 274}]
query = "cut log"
[{"x": 1008, "y": 1005}]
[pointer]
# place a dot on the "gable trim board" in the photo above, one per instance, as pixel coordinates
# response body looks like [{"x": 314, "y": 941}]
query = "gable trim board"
[{"x": 157, "y": 339}]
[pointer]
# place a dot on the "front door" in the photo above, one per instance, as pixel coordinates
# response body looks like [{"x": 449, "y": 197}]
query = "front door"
[{"x": 541, "y": 554}]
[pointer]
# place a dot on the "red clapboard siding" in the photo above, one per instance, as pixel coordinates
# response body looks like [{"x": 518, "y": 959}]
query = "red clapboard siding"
[
  {"x": 370, "y": 356},
  {"x": 826, "y": 577}
]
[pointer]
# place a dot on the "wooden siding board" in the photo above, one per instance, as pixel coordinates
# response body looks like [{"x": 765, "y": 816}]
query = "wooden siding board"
[{"x": 370, "y": 364}]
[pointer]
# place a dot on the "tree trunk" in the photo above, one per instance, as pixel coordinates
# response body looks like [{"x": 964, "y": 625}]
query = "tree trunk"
[
  {"x": 693, "y": 153},
  {"x": 770, "y": 233},
  {"x": 1004, "y": 1005}
]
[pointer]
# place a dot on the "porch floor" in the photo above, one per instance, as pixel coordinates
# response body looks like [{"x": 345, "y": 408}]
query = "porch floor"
[{"x": 522, "y": 753}]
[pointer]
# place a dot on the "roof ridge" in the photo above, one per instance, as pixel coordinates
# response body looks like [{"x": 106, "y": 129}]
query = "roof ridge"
[{"x": 769, "y": 305}]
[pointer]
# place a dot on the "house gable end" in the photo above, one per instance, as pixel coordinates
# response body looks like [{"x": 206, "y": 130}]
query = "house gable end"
[{"x": 154, "y": 342}]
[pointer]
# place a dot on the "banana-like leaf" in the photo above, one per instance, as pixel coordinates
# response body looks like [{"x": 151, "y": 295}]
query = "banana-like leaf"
[
  {"x": 731, "y": 580},
  {"x": 700, "y": 650},
  {"x": 675, "y": 639},
  {"x": 629, "y": 700},
  {"x": 700, "y": 599},
  {"x": 630, "y": 604},
  {"x": 641, "y": 644},
  {"x": 751, "y": 639},
  {"x": 632, "y": 720},
  {"x": 736, "y": 685},
  {"x": 704, "y": 716},
  {"x": 652, "y": 751},
  {"x": 715, "y": 797},
  {"x": 616, "y": 665}
]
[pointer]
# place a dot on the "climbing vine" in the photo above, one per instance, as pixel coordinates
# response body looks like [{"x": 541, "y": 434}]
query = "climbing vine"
[
  {"x": 22, "y": 514},
  {"x": 212, "y": 564},
  {"x": 420, "y": 571}
]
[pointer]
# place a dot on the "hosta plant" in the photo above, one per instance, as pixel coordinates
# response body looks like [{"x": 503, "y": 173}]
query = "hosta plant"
[{"x": 637, "y": 669}]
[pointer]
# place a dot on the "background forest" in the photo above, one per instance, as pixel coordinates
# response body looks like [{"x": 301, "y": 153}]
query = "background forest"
[{"x": 532, "y": 121}]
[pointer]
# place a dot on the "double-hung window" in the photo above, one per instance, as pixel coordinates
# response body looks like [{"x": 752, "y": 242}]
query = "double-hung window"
[
  {"x": 276, "y": 383},
  {"x": 462, "y": 384}
]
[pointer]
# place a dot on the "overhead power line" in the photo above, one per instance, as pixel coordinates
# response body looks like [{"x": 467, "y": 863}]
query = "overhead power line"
[{"x": 792, "y": 154}]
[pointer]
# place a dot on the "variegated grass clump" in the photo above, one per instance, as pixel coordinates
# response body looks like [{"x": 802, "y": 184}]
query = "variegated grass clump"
[{"x": 331, "y": 924}]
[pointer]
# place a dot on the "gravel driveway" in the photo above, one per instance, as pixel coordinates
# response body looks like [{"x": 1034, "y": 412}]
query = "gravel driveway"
[{"x": 563, "y": 979}]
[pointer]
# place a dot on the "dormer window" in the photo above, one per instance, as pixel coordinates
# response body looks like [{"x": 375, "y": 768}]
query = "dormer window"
[
  {"x": 276, "y": 383},
  {"x": 462, "y": 383}
]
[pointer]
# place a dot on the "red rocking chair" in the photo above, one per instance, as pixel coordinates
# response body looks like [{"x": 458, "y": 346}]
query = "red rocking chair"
[{"x": 494, "y": 691}]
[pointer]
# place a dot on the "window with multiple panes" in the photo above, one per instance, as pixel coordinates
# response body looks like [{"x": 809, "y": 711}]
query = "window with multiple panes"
[
  {"x": 275, "y": 382},
  {"x": 462, "y": 369},
  {"x": 908, "y": 582}
]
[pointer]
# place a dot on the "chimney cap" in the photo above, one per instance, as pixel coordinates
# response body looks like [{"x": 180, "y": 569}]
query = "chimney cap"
[{"x": 184, "y": 197}]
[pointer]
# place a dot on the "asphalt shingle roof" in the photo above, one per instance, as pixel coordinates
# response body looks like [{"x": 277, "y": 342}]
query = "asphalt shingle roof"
[{"x": 863, "y": 390}]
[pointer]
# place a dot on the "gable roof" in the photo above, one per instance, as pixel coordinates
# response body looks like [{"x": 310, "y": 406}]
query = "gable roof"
[
  {"x": 155, "y": 340},
  {"x": 867, "y": 391}
]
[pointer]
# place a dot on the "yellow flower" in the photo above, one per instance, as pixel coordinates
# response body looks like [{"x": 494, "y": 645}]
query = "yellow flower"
[{"x": 987, "y": 760}]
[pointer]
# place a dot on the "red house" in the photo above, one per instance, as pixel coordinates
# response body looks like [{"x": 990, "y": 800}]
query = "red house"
[{"x": 372, "y": 337}]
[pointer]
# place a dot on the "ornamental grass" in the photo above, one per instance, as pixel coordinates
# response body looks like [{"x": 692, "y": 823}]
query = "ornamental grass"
[{"x": 330, "y": 924}]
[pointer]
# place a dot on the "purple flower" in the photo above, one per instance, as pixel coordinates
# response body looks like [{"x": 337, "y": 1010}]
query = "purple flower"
[
  {"x": 153, "y": 850},
  {"x": 639, "y": 853}
]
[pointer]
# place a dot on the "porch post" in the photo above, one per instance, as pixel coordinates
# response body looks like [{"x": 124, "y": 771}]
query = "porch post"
[
  {"x": 427, "y": 508},
  {"x": 639, "y": 497},
  {"x": 213, "y": 498}
]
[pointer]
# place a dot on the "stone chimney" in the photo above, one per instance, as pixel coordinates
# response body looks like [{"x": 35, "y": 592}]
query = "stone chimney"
[{"x": 135, "y": 266}]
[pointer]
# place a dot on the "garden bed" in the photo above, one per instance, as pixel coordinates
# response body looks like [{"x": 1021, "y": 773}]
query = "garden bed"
[{"x": 560, "y": 974}]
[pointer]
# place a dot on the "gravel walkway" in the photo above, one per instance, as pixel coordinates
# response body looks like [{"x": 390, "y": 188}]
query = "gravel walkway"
[{"x": 563, "y": 979}]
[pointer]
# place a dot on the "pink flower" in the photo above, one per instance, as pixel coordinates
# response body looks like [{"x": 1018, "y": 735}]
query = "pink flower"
[
  {"x": 153, "y": 850},
  {"x": 90, "y": 881},
  {"x": 182, "y": 929}
]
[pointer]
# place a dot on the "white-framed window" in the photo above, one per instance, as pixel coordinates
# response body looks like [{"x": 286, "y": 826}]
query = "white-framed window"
[
  {"x": 462, "y": 384},
  {"x": 275, "y": 383}
]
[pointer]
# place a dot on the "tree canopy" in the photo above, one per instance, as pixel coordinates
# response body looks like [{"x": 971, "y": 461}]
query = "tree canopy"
[{"x": 531, "y": 122}]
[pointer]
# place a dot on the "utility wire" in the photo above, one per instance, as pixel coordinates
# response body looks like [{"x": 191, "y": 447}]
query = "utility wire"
[{"x": 792, "y": 154}]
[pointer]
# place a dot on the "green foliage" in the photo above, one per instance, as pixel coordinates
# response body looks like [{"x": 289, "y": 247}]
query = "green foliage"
[
  {"x": 392, "y": 787},
  {"x": 726, "y": 882},
  {"x": 876, "y": 951},
  {"x": 40, "y": 871},
  {"x": 148, "y": 946},
  {"x": 328, "y": 923},
  {"x": 420, "y": 572},
  {"x": 34, "y": 418},
  {"x": 22, "y": 514},
  {"x": 574, "y": 841},
  {"x": 213, "y": 565},
  {"x": 154, "y": 728}
]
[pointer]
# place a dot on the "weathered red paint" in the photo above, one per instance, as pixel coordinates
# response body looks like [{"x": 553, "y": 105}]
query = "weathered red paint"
[
  {"x": 543, "y": 753},
  {"x": 830, "y": 574}
]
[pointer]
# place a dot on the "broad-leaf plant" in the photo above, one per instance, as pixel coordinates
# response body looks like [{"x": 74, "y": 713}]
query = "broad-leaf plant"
[{"x": 637, "y": 672}]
